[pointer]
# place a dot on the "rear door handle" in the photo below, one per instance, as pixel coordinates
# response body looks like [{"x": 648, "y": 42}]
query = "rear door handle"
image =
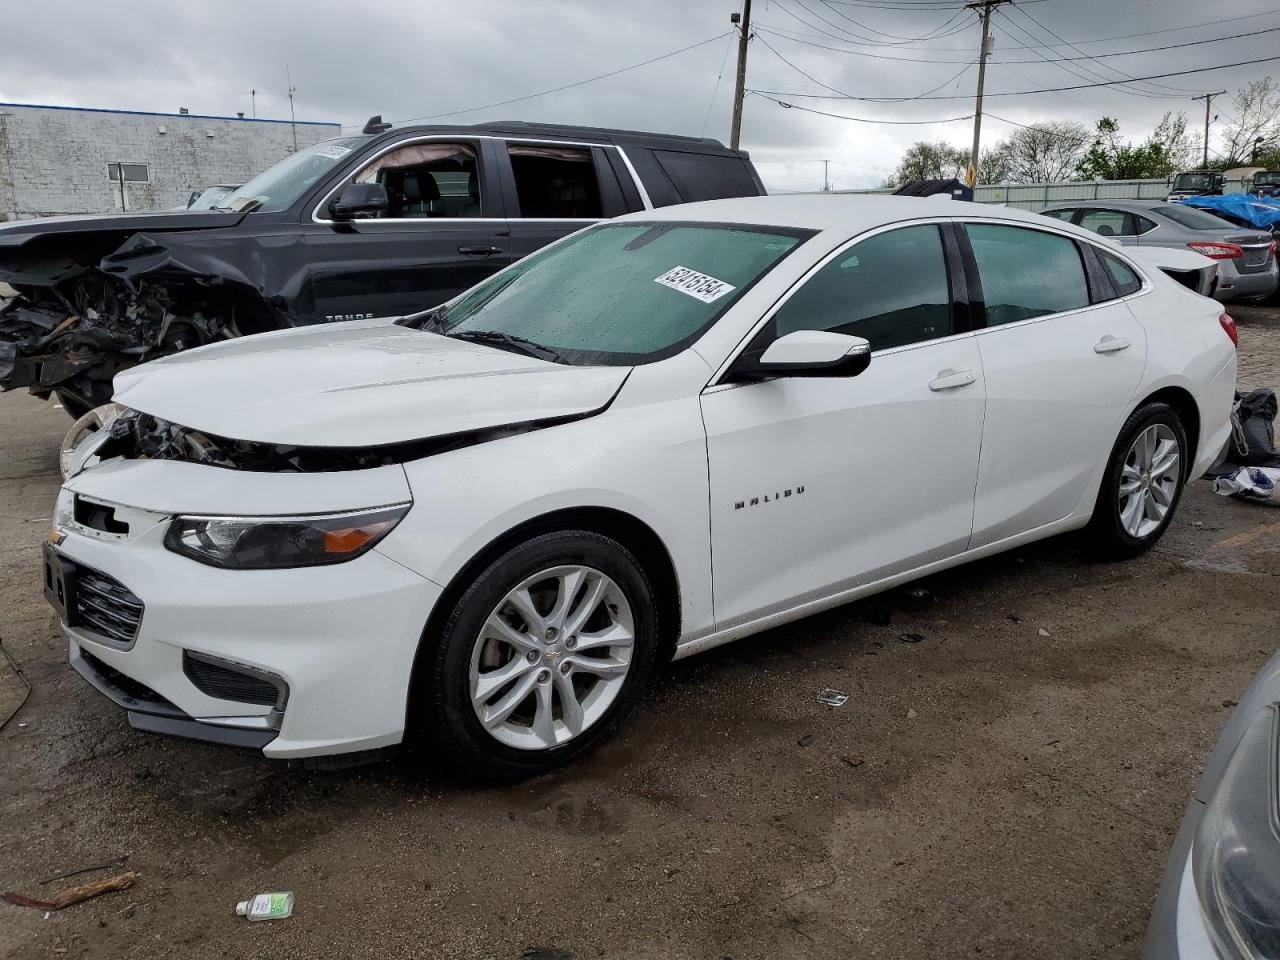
[
  {"x": 486, "y": 251},
  {"x": 950, "y": 379},
  {"x": 1110, "y": 344}
]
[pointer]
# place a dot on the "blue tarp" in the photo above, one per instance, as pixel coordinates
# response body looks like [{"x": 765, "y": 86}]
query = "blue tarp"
[{"x": 1262, "y": 214}]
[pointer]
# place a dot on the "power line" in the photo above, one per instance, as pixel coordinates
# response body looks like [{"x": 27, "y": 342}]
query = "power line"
[
  {"x": 576, "y": 83},
  {"x": 839, "y": 116},
  {"x": 849, "y": 96},
  {"x": 716, "y": 89},
  {"x": 893, "y": 36},
  {"x": 1078, "y": 86},
  {"x": 1078, "y": 43}
]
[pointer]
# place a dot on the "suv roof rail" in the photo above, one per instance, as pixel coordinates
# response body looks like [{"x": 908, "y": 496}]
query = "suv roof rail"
[{"x": 570, "y": 129}]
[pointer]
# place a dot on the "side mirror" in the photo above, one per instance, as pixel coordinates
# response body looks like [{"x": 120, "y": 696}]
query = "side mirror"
[
  {"x": 807, "y": 353},
  {"x": 359, "y": 199}
]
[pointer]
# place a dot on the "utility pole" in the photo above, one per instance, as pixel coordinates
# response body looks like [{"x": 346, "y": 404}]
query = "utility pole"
[
  {"x": 1208, "y": 99},
  {"x": 744, "y": 35},
  {"x": 293, "y": 120},
  {"x": 984, "y": 8}
]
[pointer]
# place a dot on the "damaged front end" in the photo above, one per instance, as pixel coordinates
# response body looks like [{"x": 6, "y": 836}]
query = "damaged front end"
[
  {"x": 81, "y": 314},
  {"x": 140, "y": 436}
]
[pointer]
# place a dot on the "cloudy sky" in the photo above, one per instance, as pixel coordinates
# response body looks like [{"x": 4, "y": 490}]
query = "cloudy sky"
[{"x": 422, "y": 58}]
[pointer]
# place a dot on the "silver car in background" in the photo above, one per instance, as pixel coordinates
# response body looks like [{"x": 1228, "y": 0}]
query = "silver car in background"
[
  {"x": 1220, "y": 896},
  {"x": 1246, "y": 256}
]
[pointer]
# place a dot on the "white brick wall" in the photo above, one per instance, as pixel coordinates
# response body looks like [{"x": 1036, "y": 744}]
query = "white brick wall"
[{"x": 54, "y": 160}]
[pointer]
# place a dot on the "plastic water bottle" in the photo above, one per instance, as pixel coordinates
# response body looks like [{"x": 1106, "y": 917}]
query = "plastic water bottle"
[{"x": 266, "y": 906}]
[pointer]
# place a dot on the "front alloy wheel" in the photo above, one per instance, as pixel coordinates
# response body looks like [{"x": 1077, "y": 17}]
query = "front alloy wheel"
[
  {"x": 552, "y": 657},
  {"x": 541, "y": 656}
]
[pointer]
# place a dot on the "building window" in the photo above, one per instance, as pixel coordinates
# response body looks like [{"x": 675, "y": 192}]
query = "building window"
[{"x": 133, "y": 172}]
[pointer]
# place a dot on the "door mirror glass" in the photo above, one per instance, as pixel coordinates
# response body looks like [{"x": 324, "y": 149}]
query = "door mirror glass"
[
  {"x": 812, "y": 353},
  {"x": 359, "y": 200}
]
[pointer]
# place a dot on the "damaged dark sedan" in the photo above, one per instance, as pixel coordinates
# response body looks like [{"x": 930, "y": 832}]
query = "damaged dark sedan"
[{"x": 386, "y": 223}]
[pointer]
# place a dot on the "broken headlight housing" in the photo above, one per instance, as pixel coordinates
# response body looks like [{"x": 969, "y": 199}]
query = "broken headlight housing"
[
  {"x": 1236, "y": 855},
  {"x": 272, "y": 543}
]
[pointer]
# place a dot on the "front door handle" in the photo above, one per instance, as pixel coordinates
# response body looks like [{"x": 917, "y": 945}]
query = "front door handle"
[
  {"x": 487, "y": 251},
  {"x": 1110, "y": 344},
  {"x": 950, "y": 379}
]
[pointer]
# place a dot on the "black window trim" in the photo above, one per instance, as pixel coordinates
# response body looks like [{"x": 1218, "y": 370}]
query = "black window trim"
[{"x": 765, "y": 325}]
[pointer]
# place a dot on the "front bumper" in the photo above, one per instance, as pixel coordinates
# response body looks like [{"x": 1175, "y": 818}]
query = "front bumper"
[{"x": 339, "y": 639}]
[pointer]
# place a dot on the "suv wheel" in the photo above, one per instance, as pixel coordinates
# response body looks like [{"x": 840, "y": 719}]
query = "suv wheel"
[
  {"x": 542, "y": 656},
  {"x": 1143, "y": 483}
]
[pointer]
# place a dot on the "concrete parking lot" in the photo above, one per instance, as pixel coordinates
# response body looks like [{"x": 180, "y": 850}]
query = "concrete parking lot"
[{"x": 1006, "y": 786}]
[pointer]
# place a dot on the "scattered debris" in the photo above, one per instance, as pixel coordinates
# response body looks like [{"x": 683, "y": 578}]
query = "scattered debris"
[
  {"x": 911, "y": 714},
  {"x": 1053, "y": 743},
  {"x": 1043, "y": 632},
  {"x": 807, "y": 739},
  {"x": 117, "y": 862},
  {"x": 910, "y": 637},
  {"x": 1013, "y": 618},
  {"x": 266, "y": 906},
  {"x": 918, "y": 592},
  {"x": 851, "y": 761},
  {"x": 1230, "y": 703},
  {"x": 833, "y": 698},
  {"x": 74, "y": 895},
  {"x": 13, "y": 665},
  {"x": 546, "y": 953}
]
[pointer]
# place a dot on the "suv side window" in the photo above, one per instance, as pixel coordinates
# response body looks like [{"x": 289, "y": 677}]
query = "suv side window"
[
  {"x": 1026, "y": 273},
  {"x": 706, "y": 176},
  {"x": 555, "y": 183},
  {"x": 1108, "y": 223},
  {"x": 890, "y": 289},
  {"x": 427, "y": 180}
]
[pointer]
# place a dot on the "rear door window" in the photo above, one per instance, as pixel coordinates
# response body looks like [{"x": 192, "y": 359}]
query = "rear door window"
[
  {"x": 1064, "y": 214},
  {"x": 1108, "y": 223},
  {"x": 1122, "y": 276},
  {"x": 1026, "y": 273},
  {"x": 555, "y": 183},
  {"x": 890, "y": 289},
  {"x": 702, "y": 176}
]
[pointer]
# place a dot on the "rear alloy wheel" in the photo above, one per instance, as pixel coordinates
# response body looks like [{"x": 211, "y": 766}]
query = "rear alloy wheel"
[
  {"x": 542, "y": 656},
  {"x": 1143, "y": 482}
]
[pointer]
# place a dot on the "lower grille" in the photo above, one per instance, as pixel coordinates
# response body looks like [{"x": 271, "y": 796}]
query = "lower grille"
[
  {"x": 225, "y": 682},
  {"x": 125, "y": 690},
  {"x": 106, "y": 606}
]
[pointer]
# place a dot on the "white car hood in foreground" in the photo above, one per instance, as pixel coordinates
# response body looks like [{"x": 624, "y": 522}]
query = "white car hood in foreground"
[{"x": 358, "y": 384}]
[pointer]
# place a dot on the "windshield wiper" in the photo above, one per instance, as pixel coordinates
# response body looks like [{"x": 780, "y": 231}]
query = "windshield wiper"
[
  {"x": 428, "y": 320},
  {"x": 511, "y": 341}
]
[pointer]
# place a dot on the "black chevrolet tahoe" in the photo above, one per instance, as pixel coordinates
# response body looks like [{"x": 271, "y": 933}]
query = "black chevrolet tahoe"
[{"x": 388, "y": 222}]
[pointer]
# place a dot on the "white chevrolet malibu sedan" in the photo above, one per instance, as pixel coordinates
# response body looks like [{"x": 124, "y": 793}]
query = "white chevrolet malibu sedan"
[{"x": 485, "y": 524}]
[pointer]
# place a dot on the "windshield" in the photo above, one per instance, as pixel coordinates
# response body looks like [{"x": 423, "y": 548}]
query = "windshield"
[
  {"x": 276, "y": 188},
  {"x": 1193, "y": 218},
  {"x": 1269, "y": 179},
  {"x": 623, "y": 293},
  {"x": 1185, "y": 182}
]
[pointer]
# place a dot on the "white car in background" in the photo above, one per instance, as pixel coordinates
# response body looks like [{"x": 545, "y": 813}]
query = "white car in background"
[{"x": 489, "y": 521}]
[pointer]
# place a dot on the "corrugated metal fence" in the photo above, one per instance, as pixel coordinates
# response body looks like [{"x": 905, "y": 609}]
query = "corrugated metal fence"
[{"x": 1037, "y": 196}]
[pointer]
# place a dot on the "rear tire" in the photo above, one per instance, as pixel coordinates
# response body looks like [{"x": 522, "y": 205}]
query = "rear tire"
[
  {"x": 541, "y": 658},
  {"x": 1143, "y": 482}
]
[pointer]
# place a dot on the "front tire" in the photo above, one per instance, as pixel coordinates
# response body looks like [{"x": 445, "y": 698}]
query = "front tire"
[
  {"x": 542, "y": 656},
  {"x": 1143, "y": 482}
]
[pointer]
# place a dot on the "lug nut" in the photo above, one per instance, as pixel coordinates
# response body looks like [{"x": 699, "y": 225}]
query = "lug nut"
[
  {"x": 551, "y": 633},
  {"x": 533, "y": 656},
  {"x": 544, "y": 676},
  {"x": 565, "y": 668},
  {"x": 571, "y": 642}
]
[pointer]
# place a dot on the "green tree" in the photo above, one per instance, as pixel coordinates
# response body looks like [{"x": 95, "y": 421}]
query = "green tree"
[
  {"x": 1163, "y": 153},
  {"x": 1258, "y": 116}
]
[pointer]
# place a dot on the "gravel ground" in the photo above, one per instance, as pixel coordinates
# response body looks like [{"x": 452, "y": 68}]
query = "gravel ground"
[{"x": 1008, "y": 786}]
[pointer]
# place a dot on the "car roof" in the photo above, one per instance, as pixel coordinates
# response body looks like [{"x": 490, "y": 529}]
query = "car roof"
[
  {"x": 559, "y": 131},
  {"x": 1108, "y": 204},
  {"x": 850, "y": 213}
]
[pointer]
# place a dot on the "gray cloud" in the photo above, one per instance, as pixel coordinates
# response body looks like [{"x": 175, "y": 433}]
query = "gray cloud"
[{"x": 410, "y": 59}]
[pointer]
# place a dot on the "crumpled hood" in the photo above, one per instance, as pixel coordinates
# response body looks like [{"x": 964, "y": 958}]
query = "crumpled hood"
[{"x": 358, "y": 384}]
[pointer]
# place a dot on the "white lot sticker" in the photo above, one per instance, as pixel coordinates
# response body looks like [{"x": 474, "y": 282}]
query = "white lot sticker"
[
  {"x": 695, "y": 284},
  {"x": 333, "y": 151}
]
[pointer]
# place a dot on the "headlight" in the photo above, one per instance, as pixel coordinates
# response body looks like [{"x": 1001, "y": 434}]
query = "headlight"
[
  {"x": 268, "y": 543},
  {"x": 1236, "y": 856}
]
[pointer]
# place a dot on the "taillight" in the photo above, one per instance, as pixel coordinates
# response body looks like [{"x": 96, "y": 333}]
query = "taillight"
[
  {"x": 1229, "y": 326},
  {"x": 1272, "y": 249},
  {"x": 1217, "y": 251}
]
